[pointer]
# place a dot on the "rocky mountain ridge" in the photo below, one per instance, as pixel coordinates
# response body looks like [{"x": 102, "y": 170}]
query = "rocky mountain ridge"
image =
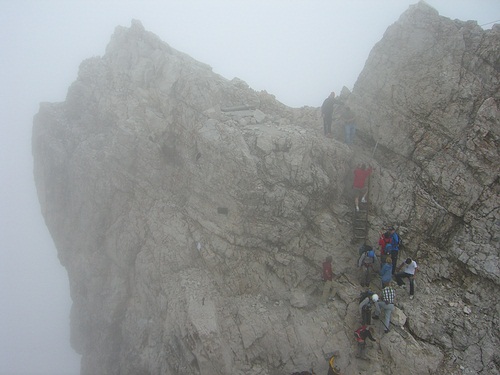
[{"x": 193, "y": 213}]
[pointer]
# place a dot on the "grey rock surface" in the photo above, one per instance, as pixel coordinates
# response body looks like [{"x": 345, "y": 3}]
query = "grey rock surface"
[{"x": 193, "y": 213}]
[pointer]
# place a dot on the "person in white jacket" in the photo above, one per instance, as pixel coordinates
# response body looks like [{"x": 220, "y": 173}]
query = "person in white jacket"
[{"x": 410, "y": 271}]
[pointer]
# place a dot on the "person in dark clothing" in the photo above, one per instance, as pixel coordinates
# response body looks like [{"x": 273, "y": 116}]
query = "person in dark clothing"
[
  {"x": 327, "y": 113},
  {"x": 361, "y": 334},
  {"x": 365, "y": 307}
]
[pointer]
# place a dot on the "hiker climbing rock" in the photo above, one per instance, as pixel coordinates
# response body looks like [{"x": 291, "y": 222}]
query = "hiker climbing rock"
[
  {"x": 366, "y": 262},
  {"x": 367, "y": 299},
  {"x": 395, "y": 241},
  {"x": 384, "y": 239},
  {"x": 328, "y": 280},
  {"x": 361, "y": 334},
  {"x": 327, "y": 113},
  {"x": 332, "y": 369},
  {"x": 359, "y": 186},
  {"x": 410, "y": 270},
  {"x": 349, "y": 125},
  {"x": 386, "y": 304},
  {"x": 386, "y": 272}
]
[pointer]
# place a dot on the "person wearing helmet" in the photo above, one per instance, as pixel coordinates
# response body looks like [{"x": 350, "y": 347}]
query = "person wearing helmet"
[{"x": 365, "y": 307}]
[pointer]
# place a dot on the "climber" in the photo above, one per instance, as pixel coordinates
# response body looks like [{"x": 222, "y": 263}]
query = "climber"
[
  {"x": 327, "y": 113},
  {"x": 349, "y": 125},
  {"x": 386, "y": 304},
  {"x": 358, "y": 186},
  {"x": 386, "y": 271},
  {"x": 384, "y": 239},
  {"x": 365, "y": 306},
  {"x": 366, "y": 261},
  {"x": 328, "y": 280},
  {"x": 332, "y": 369},
  {"x": 395, "y": 240},
  {"x": 410, "y": 271},
  {"x": 361, "y": 334}
]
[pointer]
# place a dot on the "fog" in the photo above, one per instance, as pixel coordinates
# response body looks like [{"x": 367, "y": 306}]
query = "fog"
[{"x": 298, "y": 51}]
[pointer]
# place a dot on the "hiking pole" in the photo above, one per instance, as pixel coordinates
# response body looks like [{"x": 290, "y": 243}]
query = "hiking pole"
[
  {"x": 373, "y": 153},
  {"x": 387, "y": 328}
]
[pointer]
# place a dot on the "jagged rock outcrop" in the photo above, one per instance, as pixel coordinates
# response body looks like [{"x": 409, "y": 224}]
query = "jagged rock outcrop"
[
  {"x": 192, "y": 213},
  {"x": 432, "y": 105}
]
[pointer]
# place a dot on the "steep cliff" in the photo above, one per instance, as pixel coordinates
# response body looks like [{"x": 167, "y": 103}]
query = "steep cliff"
[{"x": 192, "y": 213}]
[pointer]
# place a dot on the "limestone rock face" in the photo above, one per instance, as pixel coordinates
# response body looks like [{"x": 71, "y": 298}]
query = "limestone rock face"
[{"x": 193, "y": 213}]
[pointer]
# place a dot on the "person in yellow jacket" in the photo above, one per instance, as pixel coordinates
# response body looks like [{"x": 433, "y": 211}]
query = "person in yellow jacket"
[{"x": 332, "y": 369}]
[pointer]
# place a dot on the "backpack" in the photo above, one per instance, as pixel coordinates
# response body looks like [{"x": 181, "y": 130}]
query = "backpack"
[
  {"x": 400, "y": 241},
  {"x": 364, "y": 248},
  {"x": 363, "y": 295},
  {"x": 368, "y": 257},
  {"x": 388, "y": 249},
  {"x": 357, "y": 333}
]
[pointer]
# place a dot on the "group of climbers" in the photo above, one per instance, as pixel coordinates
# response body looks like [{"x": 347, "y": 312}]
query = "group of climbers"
[
  {"x": 346, "y": 117},
  {"x": 385, "y": 263},
  {"x": 386, "y": 303},
  {"x": 390, "y": 242},
  {"x": 389, "y": 248}
]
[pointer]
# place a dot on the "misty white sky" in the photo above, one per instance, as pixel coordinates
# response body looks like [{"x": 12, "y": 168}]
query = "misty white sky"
[{"x": 297, "y": 50}]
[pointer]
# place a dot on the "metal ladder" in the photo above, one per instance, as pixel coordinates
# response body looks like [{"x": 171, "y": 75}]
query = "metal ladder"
[{"x": 360, "y": 221}]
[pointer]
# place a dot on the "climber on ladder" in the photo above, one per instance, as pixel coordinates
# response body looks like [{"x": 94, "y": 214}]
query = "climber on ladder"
[
  {"x": 360, "y": 189},
  {"x": 359, "y": 185}
]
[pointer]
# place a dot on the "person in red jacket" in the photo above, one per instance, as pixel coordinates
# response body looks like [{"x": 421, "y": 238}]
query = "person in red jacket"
[
  {"x": 383, "y": 241},
  {"x": 328, "y": 280},
  {"x": 359, "y": 185},
  {"x": 361, "y": 334}
]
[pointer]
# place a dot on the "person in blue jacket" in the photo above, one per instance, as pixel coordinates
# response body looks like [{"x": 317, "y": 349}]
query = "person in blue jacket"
[
  {"x": 394, "y": 248},
  {"x": 386, "y": 271}
]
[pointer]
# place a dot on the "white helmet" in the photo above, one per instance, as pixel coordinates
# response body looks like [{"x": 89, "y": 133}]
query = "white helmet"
[{"x": 375, "y": 297}]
